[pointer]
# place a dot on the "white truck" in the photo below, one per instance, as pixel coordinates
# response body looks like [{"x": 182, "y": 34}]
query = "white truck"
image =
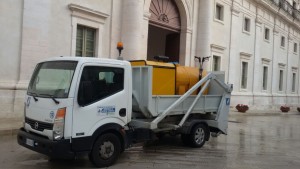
[{"x": 78, "y": 105}]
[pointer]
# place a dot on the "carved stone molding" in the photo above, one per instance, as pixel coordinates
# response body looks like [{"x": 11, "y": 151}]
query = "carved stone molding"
[
  {"x": 276, "y": 30},
  {"x": 165, "y": 13},
  {"x": 291, "y": 37},
  {"x": 281, "y": 65},
  {"x": 258, "y": 21},
  {"x": 87, "y": 13},
  {"x": 294, "y": 69},
  {"x": 217, "y": 48},
  {"x": 147, "y": 15},
  {"x": 266, "y": 61},
  {"x": 235, "y": 10},
  {"x": 245, "y": 56}
]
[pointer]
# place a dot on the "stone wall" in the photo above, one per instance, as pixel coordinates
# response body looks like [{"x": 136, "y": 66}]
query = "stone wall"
[{"x": 37, "y": 29}]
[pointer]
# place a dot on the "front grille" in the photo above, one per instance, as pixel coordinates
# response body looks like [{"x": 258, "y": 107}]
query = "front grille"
[{"x": 38, "y": 125}]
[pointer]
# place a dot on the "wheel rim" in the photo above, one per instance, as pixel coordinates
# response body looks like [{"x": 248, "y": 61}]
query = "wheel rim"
[
  {"x": 106, "y": 150},
  {"x": 199, "y": 135}
]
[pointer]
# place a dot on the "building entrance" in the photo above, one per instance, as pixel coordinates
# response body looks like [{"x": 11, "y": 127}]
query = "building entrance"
[
  {"x": 164, "y": 30},
  {"x": 163, "y": 42}
]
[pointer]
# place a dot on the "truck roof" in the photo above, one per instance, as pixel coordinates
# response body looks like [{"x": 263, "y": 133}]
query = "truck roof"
[{"x": 88, "y": 59}]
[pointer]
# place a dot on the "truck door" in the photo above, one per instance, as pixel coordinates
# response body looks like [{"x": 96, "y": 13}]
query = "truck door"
[{"x": 101, "y": 99}]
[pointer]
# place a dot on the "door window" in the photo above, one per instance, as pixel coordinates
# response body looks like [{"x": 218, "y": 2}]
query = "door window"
[{"x": 98, "y": 82}]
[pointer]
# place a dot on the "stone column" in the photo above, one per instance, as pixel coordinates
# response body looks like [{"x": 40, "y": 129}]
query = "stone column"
[
  {"x": 194, "y": 19},
  {"x": 204, "y": 28},
  {"x": 132, "y": 29},
  {"x": 257, "y": 72},
  {"x": 234, "y": 56}
]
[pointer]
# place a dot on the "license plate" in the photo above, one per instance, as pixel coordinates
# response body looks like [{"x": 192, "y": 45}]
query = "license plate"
[{"x": 29, "y": 142}]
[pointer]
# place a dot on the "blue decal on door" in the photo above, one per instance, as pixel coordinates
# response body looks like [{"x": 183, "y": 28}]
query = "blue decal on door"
[{"x": 105, "y": 110}]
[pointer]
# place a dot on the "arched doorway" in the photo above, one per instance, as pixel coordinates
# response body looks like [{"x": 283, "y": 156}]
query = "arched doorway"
[{"x": 164, "y": 30}]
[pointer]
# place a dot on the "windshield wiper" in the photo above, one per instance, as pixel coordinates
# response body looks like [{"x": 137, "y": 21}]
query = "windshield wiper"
[
  {"x": 52, "y": 97},
  {"x": 34, "y": 95}
]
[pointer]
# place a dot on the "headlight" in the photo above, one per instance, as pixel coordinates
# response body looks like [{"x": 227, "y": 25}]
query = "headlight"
[{"x": 59, "y": 123}]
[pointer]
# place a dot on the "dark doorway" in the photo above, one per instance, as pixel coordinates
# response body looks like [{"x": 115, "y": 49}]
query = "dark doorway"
[
  {"x": 164, "y": 30},
  {"x": 163, "y": 42}
]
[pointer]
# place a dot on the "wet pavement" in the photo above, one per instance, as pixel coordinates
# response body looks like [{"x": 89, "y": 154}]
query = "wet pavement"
[{"x": 253, "y": 142}]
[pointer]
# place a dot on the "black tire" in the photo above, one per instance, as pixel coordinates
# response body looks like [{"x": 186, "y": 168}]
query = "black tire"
[
  {"x": 104, "y": 158},
  {"x": 198, "y": 135},
  {"x": 186, "y": 139}
]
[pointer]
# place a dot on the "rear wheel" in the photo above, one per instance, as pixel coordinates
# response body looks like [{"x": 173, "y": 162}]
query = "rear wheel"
[
  {"x": 198, "y": 135},
  {"x": 106, "y": 150}
]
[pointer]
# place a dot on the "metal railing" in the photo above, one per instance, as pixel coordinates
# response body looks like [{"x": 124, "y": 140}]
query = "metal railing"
[{"x": 287, "y": 7}]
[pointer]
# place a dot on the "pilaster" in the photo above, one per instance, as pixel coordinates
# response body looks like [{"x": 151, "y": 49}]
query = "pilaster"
[
  {"x": 234, "y": 58},
  {"x": 257, "y": 72},
  {"x": 290, "y": 48},
  {"x": 275, "y": 71}
]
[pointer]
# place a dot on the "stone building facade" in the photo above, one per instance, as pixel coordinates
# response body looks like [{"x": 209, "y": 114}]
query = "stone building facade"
[{"x": 256, "y": 42}]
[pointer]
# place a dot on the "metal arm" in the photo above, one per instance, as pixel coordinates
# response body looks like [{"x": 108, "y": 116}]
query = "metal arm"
[
  {"x": 193, "y": 105},
  {"x": 180, "y": 100}
]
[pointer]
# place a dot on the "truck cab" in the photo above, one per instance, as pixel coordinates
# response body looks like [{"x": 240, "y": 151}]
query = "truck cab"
[{"x": 71, "y": 101}]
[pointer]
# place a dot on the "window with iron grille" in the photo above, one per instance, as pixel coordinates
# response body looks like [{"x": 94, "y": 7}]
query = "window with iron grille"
[{"x": 85, "y": 41}]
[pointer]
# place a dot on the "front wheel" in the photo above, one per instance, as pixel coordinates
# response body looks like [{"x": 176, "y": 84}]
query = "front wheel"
[
  {"x": 106, "y": 150},
  {"x": 198, "y": 135}
]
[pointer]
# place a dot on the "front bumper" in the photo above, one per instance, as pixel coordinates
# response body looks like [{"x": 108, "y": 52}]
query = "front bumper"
[{"x": 57, "y": 149}]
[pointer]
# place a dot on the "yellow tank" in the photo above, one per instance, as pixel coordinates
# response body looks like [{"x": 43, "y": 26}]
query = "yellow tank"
[
  {"x": 163, "y": 76},
  {"x": 186, "y": 78},
  {"x": 171, "y": 79}
]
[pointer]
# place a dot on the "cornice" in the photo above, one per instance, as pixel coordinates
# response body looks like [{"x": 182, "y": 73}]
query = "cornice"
[
  {"x": 218, "y": 47},
  {"x": 81, "y": 11}
]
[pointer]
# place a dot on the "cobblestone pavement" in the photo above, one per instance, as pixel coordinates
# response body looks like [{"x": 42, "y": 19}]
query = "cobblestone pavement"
[{"x": 253, "y": 142}]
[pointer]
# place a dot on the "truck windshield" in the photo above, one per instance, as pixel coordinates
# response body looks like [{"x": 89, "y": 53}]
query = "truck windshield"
[{"x": 52, "y": 79}]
